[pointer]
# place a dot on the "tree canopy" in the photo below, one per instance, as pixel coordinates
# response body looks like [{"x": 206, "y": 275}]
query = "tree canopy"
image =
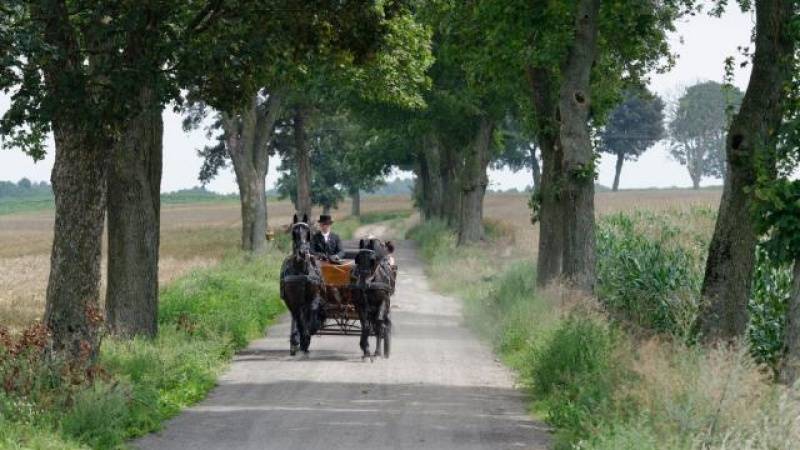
[
  {"x": 632, "y": 127},
  {"x": 698, "y": 127}
]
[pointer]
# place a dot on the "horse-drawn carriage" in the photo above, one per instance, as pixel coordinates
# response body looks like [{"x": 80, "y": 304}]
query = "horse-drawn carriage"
[{"x": 351, "y": 297}]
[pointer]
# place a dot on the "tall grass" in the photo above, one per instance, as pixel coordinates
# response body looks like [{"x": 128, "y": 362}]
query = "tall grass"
[
  {"x": 600, "y": 387},
  {"x": 203, "y": 318}
]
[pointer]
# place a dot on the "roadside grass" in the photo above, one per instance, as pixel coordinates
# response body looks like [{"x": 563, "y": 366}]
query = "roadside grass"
[
  {"x": 27, "y": 204},
  {"x": 204, "y": 318},
  {"x": 597, "y": 384}
]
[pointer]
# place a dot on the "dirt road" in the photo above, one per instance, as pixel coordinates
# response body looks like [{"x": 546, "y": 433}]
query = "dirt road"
[{"x": 441, "y": 389}]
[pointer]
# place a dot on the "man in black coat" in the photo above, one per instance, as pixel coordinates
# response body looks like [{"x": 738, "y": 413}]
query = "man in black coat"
[{"x": 325, "y": 243}]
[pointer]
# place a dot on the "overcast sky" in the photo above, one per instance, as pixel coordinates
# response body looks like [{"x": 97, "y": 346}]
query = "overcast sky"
[{"x": 701, "y": 42}]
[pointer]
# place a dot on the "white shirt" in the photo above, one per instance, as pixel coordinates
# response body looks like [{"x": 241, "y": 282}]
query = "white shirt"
[{"x": 325, "y": 235}]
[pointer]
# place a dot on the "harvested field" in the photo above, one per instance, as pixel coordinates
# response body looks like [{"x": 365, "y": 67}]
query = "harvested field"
[
  {"x": 193, "y": 236},
  {"x": 200, "y": 234}
]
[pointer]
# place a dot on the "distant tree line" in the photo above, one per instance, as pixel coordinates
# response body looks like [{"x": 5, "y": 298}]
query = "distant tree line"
[{"x": 24, "y": 188}]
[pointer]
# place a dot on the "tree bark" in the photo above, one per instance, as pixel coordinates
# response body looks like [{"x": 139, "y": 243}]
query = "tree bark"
[
  {"x": 134, "y": 217},
  {"x": 790, "y": 371},
  {"x": 248, "y": 134},
  {"x": 355, "y": 210},
  {"x": 303, "y": 160},
  {"x": 574, "y": 104},
  {"x": 473, "y": 185},
  {"x": 80, "y": 170},
  {"x": 618, "y": 170},
  {"x": 72, "y": 310},
  {"x": 431, "y": 185},
  {"x": 451, "y": 194},
  {"x": 749, "y": 145},
  {"x": 551, "y": 212}
]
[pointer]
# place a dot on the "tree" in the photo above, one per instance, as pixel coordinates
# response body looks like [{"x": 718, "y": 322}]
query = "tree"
[
  {"x": 632, "y": 128},
  {"x": 573, "y": 58},
  {"x": 378, "y": 52},
  {"x": 750, "y": 149},
  {"x": 77, "y": 73},
  {"x": 520, "y": 150},
  {"x": 698, "y": 126}
]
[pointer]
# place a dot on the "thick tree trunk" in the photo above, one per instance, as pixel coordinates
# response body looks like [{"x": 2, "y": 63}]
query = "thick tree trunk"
[
  {"x": 248, "y": 134},
  {"x": 431, "y": 185},
  {"x": 618, "y": 170},
  {"x": 790, "y": 371},
  {"x": 473, "y": 185},
  {"x": 750, "y": 142},
  {"x": 134, "y": 217},
  {"x": 80, "y": 171},
  {"x": 574, "y": 103},
  {"x": 303, "y": 160},
  {"x": 451, "y": 194},
  {"x": 551, "y": 210},
  {"x": 72, "y": 310},
  {"x": 355, "y": 209}
]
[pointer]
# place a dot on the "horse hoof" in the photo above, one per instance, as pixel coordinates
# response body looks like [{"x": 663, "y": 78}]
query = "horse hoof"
[
  {"x": 305, "y": 355},
  {"x": 293, "y": 350}
]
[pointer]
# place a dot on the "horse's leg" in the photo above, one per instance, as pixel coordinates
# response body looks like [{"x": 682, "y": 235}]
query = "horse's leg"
[
  {"x": 381, "y": 323},
  {"x": 294, "y": 337},
  {"x": 302, "y": 330},
  {"x": 363, "y": 317},
  {"x": 377, "y": 321}
]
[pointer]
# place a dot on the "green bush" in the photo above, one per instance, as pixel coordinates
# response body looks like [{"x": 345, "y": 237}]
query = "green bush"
[
  {"x": 436, "y": 239},
  {"x": 203, "y": 319},
  {"x": 772, "y": 285},
  {"x": 647, "y": 278},
  {"x": 577, "y": 372}
]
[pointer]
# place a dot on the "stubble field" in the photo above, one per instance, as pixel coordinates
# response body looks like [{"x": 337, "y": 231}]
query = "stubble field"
[{"x": 200, "y": 234}]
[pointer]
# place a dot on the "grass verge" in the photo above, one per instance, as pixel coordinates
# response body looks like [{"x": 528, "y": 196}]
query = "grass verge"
[
  {"x": 599, "y": 387},
  {"x": 203, "y": 318}
]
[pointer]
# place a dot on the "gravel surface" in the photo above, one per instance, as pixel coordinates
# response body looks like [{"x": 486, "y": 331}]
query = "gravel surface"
[{"x": 440, "y": 389}]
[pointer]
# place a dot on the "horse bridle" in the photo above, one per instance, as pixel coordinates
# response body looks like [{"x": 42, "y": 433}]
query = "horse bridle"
[{"x": 302, "y": 249}]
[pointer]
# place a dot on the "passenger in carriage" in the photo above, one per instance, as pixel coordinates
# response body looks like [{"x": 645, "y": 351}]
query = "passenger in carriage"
[{"x": 326, "y": 244}]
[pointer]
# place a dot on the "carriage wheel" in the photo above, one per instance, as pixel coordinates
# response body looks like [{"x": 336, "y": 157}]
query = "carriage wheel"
[{"x": 387, "y": 339}]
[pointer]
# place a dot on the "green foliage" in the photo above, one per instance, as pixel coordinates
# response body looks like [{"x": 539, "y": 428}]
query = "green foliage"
[
  {"x": 435, "y": 239},
  {"x": 232, "y": 303},
  {"x": 646, "y": 278},
  {"x": 772, "y": 285},
  {"x": 204, "y": 318},
  {"x": 196, "y": 195},
  {"x": 577, "y": 372},
  {"x": 383, "y": 216},
  {"x": 776, "y": 211},
  {"x": 698, "y": 127},
  {"x": 98, "y": 417},
  {"x": 24, "y": 188},
  {"x": 634, "y": 125}
]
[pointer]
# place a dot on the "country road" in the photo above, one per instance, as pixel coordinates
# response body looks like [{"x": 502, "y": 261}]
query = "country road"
[{"x": 441, "y": 389}]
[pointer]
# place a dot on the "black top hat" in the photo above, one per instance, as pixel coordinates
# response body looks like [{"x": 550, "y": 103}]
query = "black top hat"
[{"x": 325, "y": 218}]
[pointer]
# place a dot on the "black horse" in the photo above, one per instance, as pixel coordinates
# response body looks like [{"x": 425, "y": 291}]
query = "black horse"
[
  {"x": 373, "y": 285},
  {"x": 301, "y": 288}
]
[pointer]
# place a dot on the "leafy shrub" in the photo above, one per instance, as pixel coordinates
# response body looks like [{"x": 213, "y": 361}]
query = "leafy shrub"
[
  {"x": 578, "y": 373},
  {"x": 772, "y": 285},
  {"x": 434, "y": 238},
  {"x": 647, "y": 279}
]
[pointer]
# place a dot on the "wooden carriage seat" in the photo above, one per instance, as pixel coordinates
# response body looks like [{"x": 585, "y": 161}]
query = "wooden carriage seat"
[{"x": 337, "y": 274}]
